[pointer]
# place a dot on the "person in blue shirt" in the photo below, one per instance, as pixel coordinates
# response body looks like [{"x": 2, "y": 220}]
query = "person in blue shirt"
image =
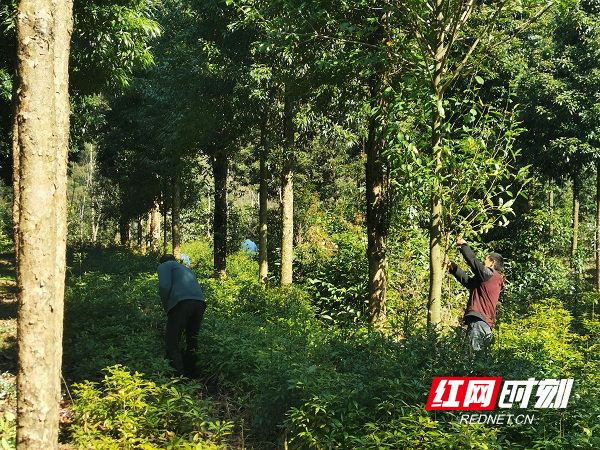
[
  {"x": 186, "y": 260},
  {"x": 183, "y": 301},
  {"x": 249, "y": 246}
]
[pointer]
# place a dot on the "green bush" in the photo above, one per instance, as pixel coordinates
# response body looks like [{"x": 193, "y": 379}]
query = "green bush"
[
  {"x": 125, "y": 411},
  {"x": 123, "y": 323},
  {"x": 335, "y": 272},
  {"x": 541, "y": 343},
  {"x": 300, "y": 381},
  {"x": 8, "y": 430}
]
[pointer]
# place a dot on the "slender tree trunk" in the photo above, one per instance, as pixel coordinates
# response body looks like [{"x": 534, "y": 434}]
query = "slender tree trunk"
[
  {"x": 124, "y": 231},
  {"x": 598, "y": 224},
  {"x": 148, "y": 231},
  {"x": 175, "y": 220},
  {"x": 376, "y": 209},
  {"x": 95, "y": 224},
  {"x": 263, "y": 260},
  {"x": 165, "y": 234},
  {"x": 574, "y": 241},
  {"x": 141, "y": 231},
  {"x": 287, "y": 197},
  {"x": 154, "y": 228},
  {"x": 551, "y": 205},
  {"x": 41, "y": 145},
  {"x": 436, "y": 271},
  {"x": 16, "y": 176},
  {"x": 220, "y": 165}
]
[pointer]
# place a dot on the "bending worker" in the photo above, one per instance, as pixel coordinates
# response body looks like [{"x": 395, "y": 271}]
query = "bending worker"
[{"x": 183, "y": 301}]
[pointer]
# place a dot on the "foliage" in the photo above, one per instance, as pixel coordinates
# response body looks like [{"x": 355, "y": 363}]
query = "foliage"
[
  {"x": 8, "y": 430},
  {"x": 110, "y": 40},
  {"x": 480, "y": 180},
  {"x": 125, "y": 410},
  {"x": 299, "y": 381},
  {"x": 556, "y": 86},
  {"x": 330, "y": 262},
  {"x": 300, "y": 367},
  {"x": 534, "y": 247}
]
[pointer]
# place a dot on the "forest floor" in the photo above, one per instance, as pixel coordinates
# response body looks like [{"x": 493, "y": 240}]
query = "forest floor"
[{"x": 8, "y": 335}]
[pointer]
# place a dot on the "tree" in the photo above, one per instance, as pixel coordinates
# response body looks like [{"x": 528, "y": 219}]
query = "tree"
[
  {"x": 111, "y": 38},
  {"x": 287, "y": 191},
  {"x": 447, "y": 51},
  {"x": 129, "y": 156},
  {"x": 334, "y": 58},
  {"x": 40, "y": 149},
  {"x": 559, "y": 88},
  {"x": 199, "y": 84},
  {"x": 263, "y": 259}
]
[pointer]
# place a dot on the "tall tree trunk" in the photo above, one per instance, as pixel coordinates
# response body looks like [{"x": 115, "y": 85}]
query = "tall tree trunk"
[
  {"x": 376, "y": 209},
  {"x": 287, "y": 197},
  {"x": 165, "y": 234},
  {"x": 175, "y": 219},
  {"x": 124, "y": 231},
  {"x": 141, "y": 230},
  {"x": 598, "y": 224},
  {"x": 41, "y": 143},
  {"x": 220, "y": 165},
  {"x": 574, "y": 241},
  {"x": 263, "y": 259},
  {"x": 551, "y": 206},
  {"x": 436, "y": 271},
  {"x": 154, "y": 228}
]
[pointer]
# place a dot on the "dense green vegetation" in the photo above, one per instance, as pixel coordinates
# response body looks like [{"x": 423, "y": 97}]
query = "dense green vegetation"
[
  {"x": 275, "y": 371},
  {"x": 394, "y": 128}
]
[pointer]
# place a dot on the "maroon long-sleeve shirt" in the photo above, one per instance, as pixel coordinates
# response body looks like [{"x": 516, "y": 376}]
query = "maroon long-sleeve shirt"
[{"x": 484, "y": 288}]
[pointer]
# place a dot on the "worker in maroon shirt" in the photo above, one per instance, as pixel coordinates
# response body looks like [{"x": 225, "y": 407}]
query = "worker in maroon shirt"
[{"x": 484, "y": 292}]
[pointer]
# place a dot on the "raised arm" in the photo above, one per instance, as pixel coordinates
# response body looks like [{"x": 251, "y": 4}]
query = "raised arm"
[
  {"x": 460, "y": 275},
  {"x": 479, "y": 270}
]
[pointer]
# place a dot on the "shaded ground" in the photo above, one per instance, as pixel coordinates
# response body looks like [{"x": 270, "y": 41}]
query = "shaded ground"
[{"x": 8, "y": 334}]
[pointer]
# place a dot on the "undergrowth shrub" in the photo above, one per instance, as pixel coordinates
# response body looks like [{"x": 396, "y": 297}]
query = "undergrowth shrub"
[
  {"x": 306, "y": 382},
  {"x": 411, "y": 427},
  {"x": 111, "y": 319},
  {"x": 541, "y": 343},
  {"x": 251, "y": 341},
  {"x": 330, "y": 262},
  {"x": 8, "y": 430},
  {"x": 125, "y": 410}
]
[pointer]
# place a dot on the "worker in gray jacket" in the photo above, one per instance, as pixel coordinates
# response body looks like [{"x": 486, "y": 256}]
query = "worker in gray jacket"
[{"x": 184, "y": 303}]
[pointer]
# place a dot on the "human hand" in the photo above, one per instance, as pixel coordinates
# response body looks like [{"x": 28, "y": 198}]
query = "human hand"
[{"x": 460, "y": 241}]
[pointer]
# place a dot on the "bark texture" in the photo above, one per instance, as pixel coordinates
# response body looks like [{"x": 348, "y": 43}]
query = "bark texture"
[
  {"x": 376, "y": 211},
  {"x": 287, "y": 198},
  {"x": 40, "y": 147},
  {"x": 220, "y": 173},
  {"x": 263, "y": 259}
]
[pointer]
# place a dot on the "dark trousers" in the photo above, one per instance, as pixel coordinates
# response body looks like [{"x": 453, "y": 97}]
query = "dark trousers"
[
  {"x": 185, "y": 317},
  {"x": 479, "y": 332}
]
